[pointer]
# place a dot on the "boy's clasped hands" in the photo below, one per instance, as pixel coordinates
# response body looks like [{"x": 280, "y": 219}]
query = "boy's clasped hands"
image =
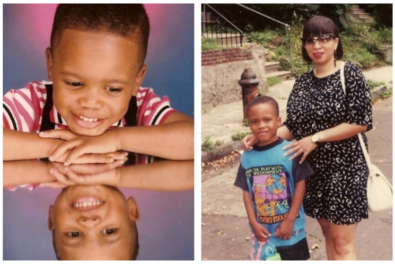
[
  {"x": 283, "y": 231},
  {"x": 84, "y": 159}
]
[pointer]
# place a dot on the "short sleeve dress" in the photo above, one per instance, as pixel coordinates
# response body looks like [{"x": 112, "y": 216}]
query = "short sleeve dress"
[{"x": 337, "y": 190}]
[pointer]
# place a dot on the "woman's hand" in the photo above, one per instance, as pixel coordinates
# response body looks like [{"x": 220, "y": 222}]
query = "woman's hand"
[
  {"x": 303, "y": 146},
  {"x": 248, "y": 141}
]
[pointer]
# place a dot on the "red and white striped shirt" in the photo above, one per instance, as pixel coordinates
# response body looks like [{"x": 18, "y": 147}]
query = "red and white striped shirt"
[{"x": 23, "y": 108}]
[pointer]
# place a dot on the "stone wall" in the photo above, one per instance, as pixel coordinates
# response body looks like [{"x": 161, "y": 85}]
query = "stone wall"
[
  {"x": 222, "y": 69},
  {"x": 387, "y": 51}
]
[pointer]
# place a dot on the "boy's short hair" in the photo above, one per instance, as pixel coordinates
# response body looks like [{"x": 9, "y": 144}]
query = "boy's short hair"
[
  {"x": 263, "y": 100},
  {"x": 122, "y": 19}
]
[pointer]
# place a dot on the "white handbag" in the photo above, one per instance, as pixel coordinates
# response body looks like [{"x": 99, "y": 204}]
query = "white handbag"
[{"x": 379, "y": 189}]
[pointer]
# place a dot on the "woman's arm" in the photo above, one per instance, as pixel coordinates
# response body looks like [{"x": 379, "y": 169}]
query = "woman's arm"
[
  {"x": 285, "y": 133},
  {"x": 340, "y": 132},
  {"x": 306, "y": 145}
]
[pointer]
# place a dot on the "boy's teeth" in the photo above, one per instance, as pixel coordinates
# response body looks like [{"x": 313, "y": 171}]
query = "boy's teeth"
[
  {"x": 87, "y": 119},
  {"x": 87, "y": 204}
]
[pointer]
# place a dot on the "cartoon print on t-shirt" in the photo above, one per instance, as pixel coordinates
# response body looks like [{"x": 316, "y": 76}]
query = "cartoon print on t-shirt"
[{"x": 271, "y": 194}]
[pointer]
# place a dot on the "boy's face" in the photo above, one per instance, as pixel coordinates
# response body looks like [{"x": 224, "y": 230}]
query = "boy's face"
[
  {"x": 264, "y": 122},
  {"x": 94, "y": 76},
  {"x": 99, "y": 230}
]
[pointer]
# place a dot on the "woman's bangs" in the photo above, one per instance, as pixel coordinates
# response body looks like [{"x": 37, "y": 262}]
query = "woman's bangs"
[{"x": 318, "y": 26}]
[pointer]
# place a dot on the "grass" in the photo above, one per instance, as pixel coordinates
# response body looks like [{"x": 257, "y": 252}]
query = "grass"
[
  {"x": 373, "y": 84},
  {"x": 273, "y": 80},
  {"x": 239, "y": 136},
  {"x": 387, "y": 93},
  {"x": 209, "y": 146},
  {"x": 210, "y": 44}
]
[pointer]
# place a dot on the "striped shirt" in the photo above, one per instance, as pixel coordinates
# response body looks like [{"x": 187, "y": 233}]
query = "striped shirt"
[
  {"x": 23, "y": 111},
  {"x": 23, "y": 108}
]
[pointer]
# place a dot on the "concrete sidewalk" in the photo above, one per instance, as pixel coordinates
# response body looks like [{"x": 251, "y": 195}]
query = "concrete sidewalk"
[{"x": 225, "y": 229}]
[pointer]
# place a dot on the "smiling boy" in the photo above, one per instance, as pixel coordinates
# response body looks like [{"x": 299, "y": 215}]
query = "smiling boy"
[
  {"x": 273, "y": 188},
  {"x": 95, "y": 67}
]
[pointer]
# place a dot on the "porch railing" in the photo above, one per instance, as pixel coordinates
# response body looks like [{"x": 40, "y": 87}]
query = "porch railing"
[
  {"x": 287, "y": 27},
  {"x": 216, "y": 26}
]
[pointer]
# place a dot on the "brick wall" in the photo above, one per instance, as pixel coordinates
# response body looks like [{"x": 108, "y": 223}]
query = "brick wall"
[{"x": 225, "y": 56}]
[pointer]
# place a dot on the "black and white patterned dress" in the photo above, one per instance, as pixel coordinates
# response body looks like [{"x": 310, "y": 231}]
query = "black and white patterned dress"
[{"x": 337, "y": 190}]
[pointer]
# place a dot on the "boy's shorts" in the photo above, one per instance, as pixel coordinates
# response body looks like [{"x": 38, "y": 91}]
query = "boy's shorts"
[
  {"x": 298, "y": 251},
  {"x": 261, "y": 251}
]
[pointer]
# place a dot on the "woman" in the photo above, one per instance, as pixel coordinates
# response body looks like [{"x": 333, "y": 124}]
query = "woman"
[{"x": 325, "y": 122}]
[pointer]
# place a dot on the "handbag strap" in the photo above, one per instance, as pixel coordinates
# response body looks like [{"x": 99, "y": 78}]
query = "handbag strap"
[{"x": 365, "y": 152}]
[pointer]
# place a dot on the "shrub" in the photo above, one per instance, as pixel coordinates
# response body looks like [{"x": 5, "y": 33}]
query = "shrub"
[
  {"x": 373, "y": 84},
  {"x": 387, "y": 93},
  {"x": 210, "y": 44},
  {"x": 209, "y": 146},
  {"x": 239, "y": 136},
  {"x": 273, "y": 80}
]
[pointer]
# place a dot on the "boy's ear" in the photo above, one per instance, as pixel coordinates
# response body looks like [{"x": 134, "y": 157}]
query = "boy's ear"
[
  {"x": 49, "y": 59},
  {"x": 279, "y": 121},
  {"x": 139, "y": 79},
  {"x": 133, "y": 209},
  {"x": 51, "y": 218}
]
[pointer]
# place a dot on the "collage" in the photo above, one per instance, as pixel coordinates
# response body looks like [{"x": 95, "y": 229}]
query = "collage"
[{"x": 200, "y": 132}]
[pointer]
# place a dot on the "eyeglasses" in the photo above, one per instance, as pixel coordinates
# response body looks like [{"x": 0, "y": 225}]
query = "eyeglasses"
[{"x": 322, "y": 40}]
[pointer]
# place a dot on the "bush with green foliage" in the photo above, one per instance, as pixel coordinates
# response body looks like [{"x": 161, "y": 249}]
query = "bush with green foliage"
[
  {"x": 239, "y": 136},
  {"x": 387, "y": 93},
  {"x": 210, "y": 44},
  {"x": 373, "y": 84},
  {"x": 209, "y": 146},
  {"x": 273, "y": 80}
]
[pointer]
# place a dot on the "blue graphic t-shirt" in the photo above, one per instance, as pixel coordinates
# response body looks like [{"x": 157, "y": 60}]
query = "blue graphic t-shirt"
[{"x": 270, "y": 178}]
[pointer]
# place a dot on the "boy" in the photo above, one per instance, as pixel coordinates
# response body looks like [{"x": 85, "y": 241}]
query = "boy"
[
  {"x": 94, "y": 223},
  {"x": 273, "y": 188},
  {"x": 96, "y": 65}
]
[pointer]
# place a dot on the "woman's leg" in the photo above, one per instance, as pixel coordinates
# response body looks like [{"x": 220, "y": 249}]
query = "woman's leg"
[
  {"x": 339, "y": 239},
  {"x": 328, "y": 240},
  {"x": 343, "y": 237}
]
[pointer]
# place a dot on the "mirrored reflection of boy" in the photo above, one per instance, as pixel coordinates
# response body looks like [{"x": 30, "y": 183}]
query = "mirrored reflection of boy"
[
  {"x": 94, "y": 223},
  {"x": 93, "y": 99},
  {"x": 166, "y": 175},
  {"x": 273, "y": 188}
]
